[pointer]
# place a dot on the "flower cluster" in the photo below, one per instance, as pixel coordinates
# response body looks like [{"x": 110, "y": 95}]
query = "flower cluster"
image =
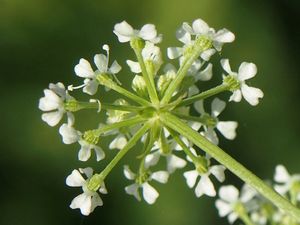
[
  {"x": 158, "y": 91},
  {"x": 252, "y": 208}
]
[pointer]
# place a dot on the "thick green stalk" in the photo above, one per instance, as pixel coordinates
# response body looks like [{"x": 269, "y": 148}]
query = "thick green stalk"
[
  {"x": 149, "y": 79},
  {"x": 125, "y": 123},
  {"x": 201, "y": 44},
  {"x": 95, "y": 105},
  {"x": 235, "y": 167},
  {"x": 127, "y": 147},
  {"x": 205, "y": 94}
]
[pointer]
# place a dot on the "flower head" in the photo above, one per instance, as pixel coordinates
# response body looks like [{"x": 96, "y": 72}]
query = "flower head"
[
  {"x": 125, "y": 33},
  {"x": 89, "y": 199},
  {"x": 83, "y": 69},
  {"x": 240, "y": 88},
  {"x": 53, "y": 104},
  {"x": 231, "y": 203},
  {"x": 142, "y": 181},
  {"x": 204, "y": 170},
  {"x": 226, "y": 128}
]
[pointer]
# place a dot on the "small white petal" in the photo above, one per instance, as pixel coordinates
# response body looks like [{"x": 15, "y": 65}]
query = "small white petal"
[
  {"x": 236, "y": 96},
  {"x": 91, "y": 86},
  {"x": 100, "y": 61},
  {"x": 193, "y": 90},
  {"x": 251, "y": 94},
  {"x": 205, "y": 186},
  {"x": 124, "y": 31},
  {"x": 223, "y": 208},
  {"x": 226, "y": 66},
  {"x": 119, "y": 142},
  {"x": 50, "y": 102},
  {"x": 281, "y": 174},
  {"x": 247, "y": 193},
  {"x": 69, "y": 134},
  {"x": 96, "y": 201},
  {"x": 188, "y": 28},
  {"x": 82, "y": 201},
  {"x": 52, "y": 118},
  {"x": 211, "y": 135},
  {"x": 207, "y": 54},
  {"x": 84, "y": 69},
  {"x": 218, "y": 172},
  {"x": 58, "y": 88},
  {"x": 224, "y": 36},
  {"x": 174, "y": 162},
  {"x": 200, "y": 27},
  {"x": 128, "y": 173},
  {"x": 183, "y": 36},
  {"x": 229, "y": 193},
  {"x": 99, "y": 153},
  {"x": 199, "y": 107},
  {"x": 232, "y": 217},
  {"x": 174, "y": 52},
  {"x": 228, "y": 129},
  {"x": 205, "y": 74},
  {"x": 282, "y": 189},
  {"x": 115, "y": 68},
  {"x": 85, "y": 151},
  {"x": 191, "y": 177},
  {"x": 152, "y": 159},
  {"x": 88, "y": 171},
  {"x": 148, "y": 32},
  {"x": 133, "y": 190},
  {"x": 217, "y": 106},
  {"x": 149, "y": 193},
  {"x": 134, "y": 66},
  {"x": 247, "y": 71},
  {"x": 75, "y": 179},
  {"x": 160, "y": 176}
]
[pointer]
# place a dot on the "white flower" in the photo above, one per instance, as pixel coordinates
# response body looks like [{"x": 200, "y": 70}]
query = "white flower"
[
  {"x": 226, "y": 128},
  {"x": 246, "y": 71},
  {"x": 89, "y": 199},
  {"x": 287, "y": 182},
  {"x": 142, "y": 181},
  {"x": 230, "y": 200},
  {"x": 114, "y": 116},
  {"x": 125, "y": 33},
  {"x": 201, "y": 28},
  {"x": 119, "y": 142},
  {"x": 87, "y": 141},
  {"x": 53, "y": 103},
  {"x": 150, "y": 53},
  {"x": 173, "y": 162},
  {"x": 84, "y": 69},
  {"x": 205, "y": 185}
]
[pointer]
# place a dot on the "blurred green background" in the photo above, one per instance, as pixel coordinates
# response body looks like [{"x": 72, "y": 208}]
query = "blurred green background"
[{"x": 42, "y": 40}]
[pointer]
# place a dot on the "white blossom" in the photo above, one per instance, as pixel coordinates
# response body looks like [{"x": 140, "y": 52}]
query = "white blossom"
[
  {"x": 118, "y": 142},
  {"x": 89, "y": 199},
  {"x": 205, "y": 185},
  {"x": 53, "y": 103},
  {"x": 125, "y": 33},
  {"x": 245, "y": 72},
  {"x": 226, "y": 128},
  {"x": 201, "y": 28},
  {"x": 286, "y": 181},
  {"x": 83, "y": 69},
  {"x": 87, "y": 141},
  {"x": 142, "y": 181},
  {"x": 230, "y": 199}
]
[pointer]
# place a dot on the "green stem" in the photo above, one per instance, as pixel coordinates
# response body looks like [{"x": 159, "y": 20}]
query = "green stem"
[
  {"x": 190, "y": 118},
  {"x": 245, "y": 218},
  {"x": 147, "y": 77},
  {"x": 125, "y": 123},
  {"x": 127, "y": 147},
  {"x": 183, "y": 145},
  {"x": 235, "y": 167},
  {"x": 205, "y": 94},
  {"x": 105, "y": 80},
  {"x": 95, "y": 105},
  {"x": 147, "y": 149},
  {"x": 199, "y": 46}
]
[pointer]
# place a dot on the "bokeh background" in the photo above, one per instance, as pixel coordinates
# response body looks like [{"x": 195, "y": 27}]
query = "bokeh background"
[{"x": 42, "y": 40}]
